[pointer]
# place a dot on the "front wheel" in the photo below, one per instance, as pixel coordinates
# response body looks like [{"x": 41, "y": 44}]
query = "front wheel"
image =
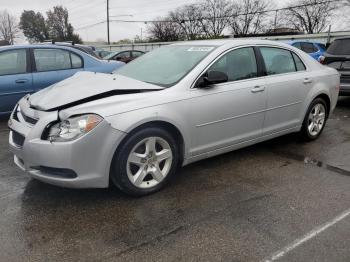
[
  {"x": 315, "y": 120},
  {"x": 145, "y": 162}
]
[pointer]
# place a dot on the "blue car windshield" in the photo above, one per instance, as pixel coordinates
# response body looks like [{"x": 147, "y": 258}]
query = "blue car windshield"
[{"x": 165, "y": 66}]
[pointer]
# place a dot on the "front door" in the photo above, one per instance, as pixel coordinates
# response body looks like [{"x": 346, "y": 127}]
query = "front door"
[{"x": 230, "y": 113}]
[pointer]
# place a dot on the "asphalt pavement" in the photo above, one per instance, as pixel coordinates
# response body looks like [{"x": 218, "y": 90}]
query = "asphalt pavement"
[{"x": 281, "y": 200}]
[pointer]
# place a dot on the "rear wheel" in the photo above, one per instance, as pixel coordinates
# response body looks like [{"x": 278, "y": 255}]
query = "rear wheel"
[
  {"x": 145, "y": 162},
  {"x": 315, "y": 120}
]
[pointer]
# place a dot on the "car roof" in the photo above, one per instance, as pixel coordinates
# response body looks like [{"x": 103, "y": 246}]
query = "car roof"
[
  {"x": 231, "y": 42},
  {"x": 39, "y": 46},
  {"x": 303, "y": 41}
]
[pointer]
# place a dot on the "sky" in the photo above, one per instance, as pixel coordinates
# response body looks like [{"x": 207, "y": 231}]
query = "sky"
[{"x": 83, "y": 13}]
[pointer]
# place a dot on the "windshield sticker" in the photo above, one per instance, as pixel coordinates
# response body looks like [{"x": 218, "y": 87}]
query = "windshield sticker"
[{"x": 200, "y": 49}]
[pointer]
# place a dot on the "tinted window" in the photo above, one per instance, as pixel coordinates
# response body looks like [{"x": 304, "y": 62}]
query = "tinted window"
[
  {"x": 136, "y": 53},
  {"x": 298, "y": 63},
  {"x": 13, "y": 62},
  {"x": 339, "y": 47},
  {"x": 297, "y": 45},
  {"x": 76, "y": 61},
  {"x": 123, "y": 55},
  {"x": 277, "y": 61},
  {"x": 51, "y": 59},
  {"x": 308, "y": 48},
  {"x": 238, "y": 64}
]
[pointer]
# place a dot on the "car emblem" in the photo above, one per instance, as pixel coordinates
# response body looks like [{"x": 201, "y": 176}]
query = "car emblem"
[{"x": 10, "y": 122}]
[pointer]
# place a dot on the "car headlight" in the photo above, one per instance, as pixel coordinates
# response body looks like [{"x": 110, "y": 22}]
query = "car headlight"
[{"x": 73, "y": 127}]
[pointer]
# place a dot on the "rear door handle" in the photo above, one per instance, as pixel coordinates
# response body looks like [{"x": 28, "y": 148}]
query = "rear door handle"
[
  {"x": 257, "y": 89},
  {"x": 21, "y": 81},
  {"x": 307, "y": 81}
]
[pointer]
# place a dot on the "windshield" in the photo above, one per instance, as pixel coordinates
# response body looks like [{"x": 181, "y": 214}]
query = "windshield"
[
  {"x": 165, "y": 66},
  {"x": 339, "y": 47}
]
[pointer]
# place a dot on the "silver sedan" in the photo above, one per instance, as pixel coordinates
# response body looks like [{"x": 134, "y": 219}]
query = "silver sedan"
[{"x": 173, "y": 106}]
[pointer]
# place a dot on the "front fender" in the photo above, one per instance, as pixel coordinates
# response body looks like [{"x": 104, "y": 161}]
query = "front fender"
[{"x": 173, "y": 114}]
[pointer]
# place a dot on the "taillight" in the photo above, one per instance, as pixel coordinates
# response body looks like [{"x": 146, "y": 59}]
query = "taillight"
[{"x": 321, "y": 59}]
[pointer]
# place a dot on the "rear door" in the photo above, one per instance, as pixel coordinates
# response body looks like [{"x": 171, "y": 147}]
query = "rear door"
[
  {"x": 15, "y": 78},
  {"x": 52, "y": 65},
  {"x": 287, "y": 85}
]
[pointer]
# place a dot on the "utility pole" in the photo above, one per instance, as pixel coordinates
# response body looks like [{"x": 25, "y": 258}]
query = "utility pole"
[{"x": 108, "y": 40}]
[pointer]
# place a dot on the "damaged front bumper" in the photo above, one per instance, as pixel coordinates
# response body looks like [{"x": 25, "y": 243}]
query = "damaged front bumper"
[{"x": 82, "y": 163}]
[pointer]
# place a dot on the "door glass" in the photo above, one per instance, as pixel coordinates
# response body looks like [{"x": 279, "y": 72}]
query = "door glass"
[
  {"x": 123, "y": 55},
  {"x": 13, "y": 62},
  {"x": 238, "y": 64},
  {"x": 297, "y": 45},
  {"x": 277, "y": 61},
  {"x": 298, "y": 63},
  {"x": 76, "y": 61},
  {"x": 51, "y": 59},
  {"x": 308, "y": 48},
  {"x": 136, "y": 54}
]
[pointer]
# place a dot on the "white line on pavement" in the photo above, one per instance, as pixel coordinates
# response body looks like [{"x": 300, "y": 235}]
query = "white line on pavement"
[{"x": 277, "y": 255}]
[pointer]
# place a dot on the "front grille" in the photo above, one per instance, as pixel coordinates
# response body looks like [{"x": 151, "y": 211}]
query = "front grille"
[
  {"x": 17, "y": 138},
  {"x": 345, "y": 79}
]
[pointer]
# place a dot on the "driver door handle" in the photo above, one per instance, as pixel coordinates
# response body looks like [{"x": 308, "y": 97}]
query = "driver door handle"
[
  {"x": 307, "y": 81},
  {"x": 21, "y": 81},
  {"x": 257, "y": 89}
]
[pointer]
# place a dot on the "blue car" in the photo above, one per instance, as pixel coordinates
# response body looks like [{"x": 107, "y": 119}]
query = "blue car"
[
  {"x": 314, "y": 49},
  {"x": 29, "y": 68}
]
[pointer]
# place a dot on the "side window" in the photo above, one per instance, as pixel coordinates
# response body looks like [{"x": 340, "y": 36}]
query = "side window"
[
  {"x": 277, "y": 61},
  {"x": 298, "y": 63},
  {"x": 13, "y": 62},
  {"x": 123, "y": 55},
  {"x": 76, "y": 61},
  {"x": 238, "y": 64},
  {"x": 51, "y": 59},
  {"x": 297, "y": 45},
  {"x": 308, "y": 48},
  {"x": 136, "y": 54}
]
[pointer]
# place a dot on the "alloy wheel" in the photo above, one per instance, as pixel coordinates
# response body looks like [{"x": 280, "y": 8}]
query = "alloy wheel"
[
  {"x": 149, "y": 162},
  {"x": 316, "y": 119}
]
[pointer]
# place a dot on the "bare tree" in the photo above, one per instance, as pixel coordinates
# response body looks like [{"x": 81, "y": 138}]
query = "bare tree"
[
  {"x": 313, "y": 17},
  {"x": 163, "y": 29},
  {"x": 249, "y": 16},
  {"x": 215, "y": 16},
  {"x": 188, "y": 18},
  {"x": 9, "y": 29}
]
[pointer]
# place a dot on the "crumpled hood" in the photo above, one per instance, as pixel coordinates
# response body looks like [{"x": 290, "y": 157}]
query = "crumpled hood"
[{"x": 84, "y": 87}]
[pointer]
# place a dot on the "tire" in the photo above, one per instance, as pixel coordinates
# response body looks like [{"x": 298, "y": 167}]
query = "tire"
[
  {"x": 307, "y": 132},
  {"x": 134, "y": 167}
]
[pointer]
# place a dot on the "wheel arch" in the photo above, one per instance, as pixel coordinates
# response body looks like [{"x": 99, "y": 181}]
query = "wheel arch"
[
  {"x": 165, "y": 125},
  {"x": 327, "y": 99}
]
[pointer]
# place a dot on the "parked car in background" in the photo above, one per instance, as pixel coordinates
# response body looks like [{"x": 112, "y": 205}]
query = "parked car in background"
[
  {"x": 102, "y": 53},
  {"x": 124, "y": 56},
  {"x": 172, "y": 106},
  {"x": 84, "y": 48},
  {"x": 337, "y": 56},
  {"x": 28, "y": 68},
  {"x": 314, "y": 49}
]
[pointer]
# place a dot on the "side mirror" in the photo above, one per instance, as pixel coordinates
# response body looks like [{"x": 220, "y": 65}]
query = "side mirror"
[{"x": 211, "y": 77}]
